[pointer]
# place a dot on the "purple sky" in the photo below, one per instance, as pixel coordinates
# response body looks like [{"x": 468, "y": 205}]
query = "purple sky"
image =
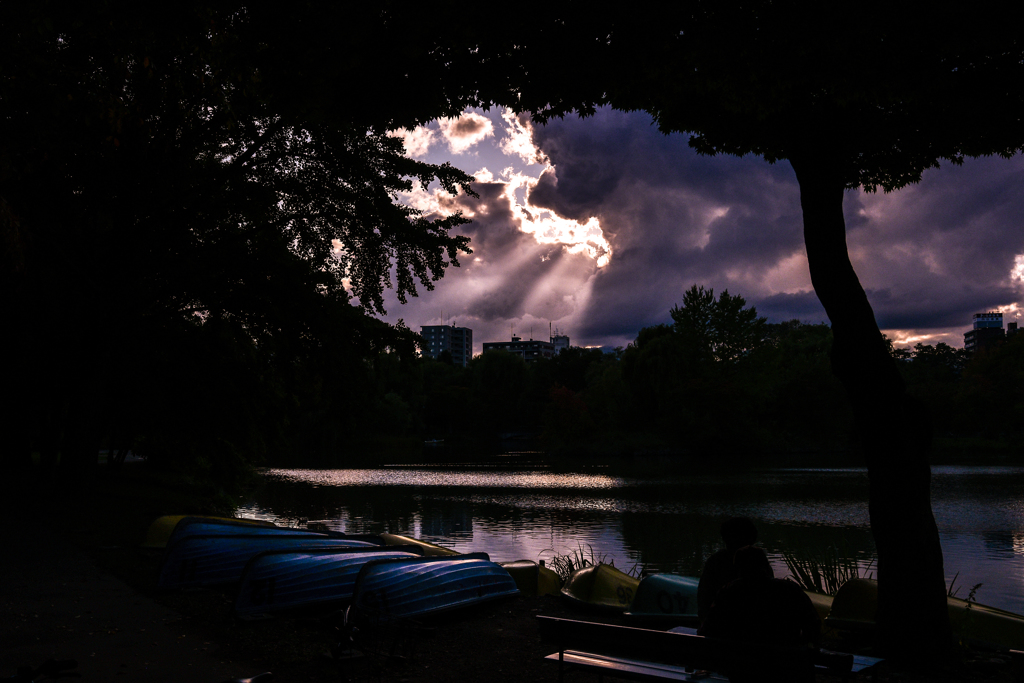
[{"x": 599, "y": 225}]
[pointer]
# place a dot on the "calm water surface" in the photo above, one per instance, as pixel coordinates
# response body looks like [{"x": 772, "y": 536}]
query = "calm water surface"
[{"x": 667, "y": 524}]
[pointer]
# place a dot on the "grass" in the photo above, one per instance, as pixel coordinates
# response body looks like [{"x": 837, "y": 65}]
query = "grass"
[
  {"x": 824, "y": 572},
  {"x": 565, "y": 565},
  {"x": 954, "y": 589}
]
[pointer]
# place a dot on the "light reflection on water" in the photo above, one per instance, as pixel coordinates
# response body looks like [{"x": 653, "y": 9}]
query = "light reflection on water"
[
  {"x": 667, "y": 524},
  {"x": 434, "y": 477}
]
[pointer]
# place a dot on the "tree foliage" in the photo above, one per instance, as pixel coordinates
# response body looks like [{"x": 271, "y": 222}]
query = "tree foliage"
[
  {"x": 164, "y": 168},
  {"x": 851, "y": 100},
  {"x": 721, "y": 329}
]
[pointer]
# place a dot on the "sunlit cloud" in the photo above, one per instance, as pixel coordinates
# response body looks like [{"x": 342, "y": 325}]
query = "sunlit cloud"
[
  {"x": 602, "y": 223},
  {"x": 465, "y": 131},
  {"x": 910, "y": 338},
  {"x": 1011, "y": 313},
  {"x": 518, "y": 140},
  {"x": 417, "y": 141},
  {"x": 543, "y": 224},
  {"x": 459, "y": 134},
  {"x": 788, "y": 275},
  {"x": 432, "y": 202},
  {"x": 547, "y": 227}
]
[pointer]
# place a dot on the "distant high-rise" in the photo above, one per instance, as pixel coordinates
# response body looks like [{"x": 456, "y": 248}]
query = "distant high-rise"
[
  {"x": 532, "y": 349},
  {"x": 560, "y": 341},
  {"x": 986, "y": 331},
  {"x": 458, "y": 341}
]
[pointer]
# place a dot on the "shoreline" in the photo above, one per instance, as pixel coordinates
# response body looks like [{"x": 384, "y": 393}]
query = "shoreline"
[{"x": 78, "y": 587}]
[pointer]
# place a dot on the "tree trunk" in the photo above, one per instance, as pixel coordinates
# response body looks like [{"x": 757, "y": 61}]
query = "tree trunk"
[{"x": 892, "y": 429}]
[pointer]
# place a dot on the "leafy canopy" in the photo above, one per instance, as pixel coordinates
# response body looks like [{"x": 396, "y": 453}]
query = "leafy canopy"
[
  {"x": 884, "y": 91},
  {"x": 721, "y": 329}
]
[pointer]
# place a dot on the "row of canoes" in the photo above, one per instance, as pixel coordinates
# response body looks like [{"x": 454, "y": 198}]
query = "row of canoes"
[
  {"x": 282, "y": 570},
  {"x": 669, "y": 599},
  {"x": 383, "y": 577},
  {"x": 666, "y": 599}
]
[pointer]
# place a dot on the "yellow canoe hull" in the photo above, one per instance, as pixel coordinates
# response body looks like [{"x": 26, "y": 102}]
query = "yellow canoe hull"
[
  {"x": 601, "y": 586},
  {"x": 533, "y": 579},
  {"x": 428, "y": 549},
  {"x": 853, "y": 609},
  {"x": 822, "y": 604}
]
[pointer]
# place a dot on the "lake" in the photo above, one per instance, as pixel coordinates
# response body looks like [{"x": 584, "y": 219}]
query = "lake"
[{"x": 667, "y": 524}]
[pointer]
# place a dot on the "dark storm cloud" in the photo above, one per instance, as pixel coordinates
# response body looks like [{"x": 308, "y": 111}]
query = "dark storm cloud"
[
  {"x": 929, "y": 255},
  {"x": 673, "y": 218},
  {"x": 803, "y": 306},
  {"x": 934, "y": 253}
]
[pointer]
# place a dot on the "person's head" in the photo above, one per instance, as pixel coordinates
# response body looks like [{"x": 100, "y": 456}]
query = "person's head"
[
  {"x": 752, "y": 564},
  {"x": 738, "y": 532}
]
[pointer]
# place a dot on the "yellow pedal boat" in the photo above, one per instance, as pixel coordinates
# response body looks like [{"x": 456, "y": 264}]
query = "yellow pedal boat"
[
  {"x": 600, "y": 586},
  {"x": 533, "y": 579},
  {"x": 853, "y": 609}
]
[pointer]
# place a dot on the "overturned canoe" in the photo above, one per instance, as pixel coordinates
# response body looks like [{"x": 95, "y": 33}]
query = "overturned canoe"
[
  {"x": 666, "y": 598},
  {"x": 429, "y": 549},
  {"x": 389, "y": 590},
  {"x": 323, "y": 579},
  {"x": 197, "y": 561},
  {"x": 533, "y": 579},
  {"x": 159, "y": 532},
  {"x": 600, "y": 586},
  {"x": 203, "y": 527},
  {"x": 853, "y": 609}
]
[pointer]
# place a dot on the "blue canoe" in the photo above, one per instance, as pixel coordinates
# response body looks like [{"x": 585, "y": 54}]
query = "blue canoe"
[
  {"x": 159, "y": 532},
  {"x": 389, "y": 590},
  {"x": 197, "y": 561},
  {"x": 278, "y": 581},
  {"x": 197, "y": 526}
]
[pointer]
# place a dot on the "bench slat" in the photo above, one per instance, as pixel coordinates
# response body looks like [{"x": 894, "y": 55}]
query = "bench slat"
[{"x": 632, "y": 668}]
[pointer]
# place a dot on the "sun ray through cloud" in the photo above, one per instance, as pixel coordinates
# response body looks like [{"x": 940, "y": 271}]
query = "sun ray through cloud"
[{"x": 641, "y": 216}]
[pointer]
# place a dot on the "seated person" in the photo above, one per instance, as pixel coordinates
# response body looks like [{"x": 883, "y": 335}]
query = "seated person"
[
  {"x": 758, "y": 609},
  {"x": 719, "y": 569}
]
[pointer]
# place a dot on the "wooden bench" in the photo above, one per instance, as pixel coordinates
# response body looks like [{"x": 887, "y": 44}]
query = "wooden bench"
[{"x": 648, "y": 655}]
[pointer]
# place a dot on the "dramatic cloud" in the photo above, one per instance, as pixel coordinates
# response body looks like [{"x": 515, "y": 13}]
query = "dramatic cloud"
[
  {"x": 417, "y": 142},
  {"x": 459, "y": 135},
  {"x": 599, "y": 226},
  {"x": 466, "y": 131},
  {"x": 518, "y": 139},
  {"x": 531, "y": 266}
]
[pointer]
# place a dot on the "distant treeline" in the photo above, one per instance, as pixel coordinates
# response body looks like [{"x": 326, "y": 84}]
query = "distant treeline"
[{"x": 716, "y": 380}]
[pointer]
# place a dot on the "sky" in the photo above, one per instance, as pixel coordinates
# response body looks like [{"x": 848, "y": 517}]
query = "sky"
[{"x": 596, "y": 227}]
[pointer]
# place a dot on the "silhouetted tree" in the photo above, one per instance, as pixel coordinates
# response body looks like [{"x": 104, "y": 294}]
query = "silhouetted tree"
[
  {"x": 500, "y": 383},
  {"x": 864, "y": 99},
  {"x": 163, "y": 167},
  {"x": 723, "y": 329},
  {"x": 991, "y": 393}
]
